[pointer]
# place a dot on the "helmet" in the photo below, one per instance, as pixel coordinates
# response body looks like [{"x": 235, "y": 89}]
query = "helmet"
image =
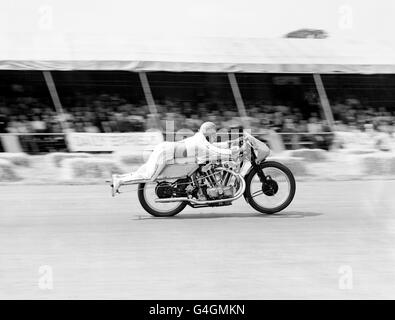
[{"x": 209, "y": 130}]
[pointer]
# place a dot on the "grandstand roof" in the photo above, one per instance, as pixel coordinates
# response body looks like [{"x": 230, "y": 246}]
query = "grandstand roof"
[{"x": 112, "y": 52}]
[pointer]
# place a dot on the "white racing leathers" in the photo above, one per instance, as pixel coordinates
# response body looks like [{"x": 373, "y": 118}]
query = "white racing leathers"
[{"x": 197, "y": 148}]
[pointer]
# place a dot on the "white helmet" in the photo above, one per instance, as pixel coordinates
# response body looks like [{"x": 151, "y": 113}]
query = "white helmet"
[{"x": 209, "y": 130}]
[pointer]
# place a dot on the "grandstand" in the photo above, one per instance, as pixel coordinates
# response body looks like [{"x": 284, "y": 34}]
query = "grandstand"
[{"x": 302, "y": 89}]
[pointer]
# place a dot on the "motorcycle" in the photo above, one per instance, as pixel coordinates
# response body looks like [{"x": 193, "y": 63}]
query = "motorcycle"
[{"x": 267, "y": 186}]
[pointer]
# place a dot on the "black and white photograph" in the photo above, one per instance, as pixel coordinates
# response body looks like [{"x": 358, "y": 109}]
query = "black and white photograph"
[{"x": 187, "y": 150}]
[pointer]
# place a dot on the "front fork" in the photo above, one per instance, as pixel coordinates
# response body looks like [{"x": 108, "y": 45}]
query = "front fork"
[{"x": 256, "y": 167}]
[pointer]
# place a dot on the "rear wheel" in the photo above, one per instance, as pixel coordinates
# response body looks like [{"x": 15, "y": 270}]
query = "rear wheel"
[
  {"x": 274, "y": 194},
  {"x": 147, "y": 195}
]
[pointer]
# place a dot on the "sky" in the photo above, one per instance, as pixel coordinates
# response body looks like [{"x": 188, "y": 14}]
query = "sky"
[{"x": 352, "y": 19}]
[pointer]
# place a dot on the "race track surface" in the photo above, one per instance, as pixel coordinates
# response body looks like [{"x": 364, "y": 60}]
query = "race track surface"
[{"x": 336, "y": 240}]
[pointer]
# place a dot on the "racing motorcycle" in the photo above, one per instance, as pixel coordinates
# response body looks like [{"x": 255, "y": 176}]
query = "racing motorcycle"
[{"x": 268, "y": 186}]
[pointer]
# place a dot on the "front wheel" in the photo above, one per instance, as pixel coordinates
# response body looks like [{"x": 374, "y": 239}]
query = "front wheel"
[
  {"x": 147, "y": 195},
  {"x": 275, "y": 193}
]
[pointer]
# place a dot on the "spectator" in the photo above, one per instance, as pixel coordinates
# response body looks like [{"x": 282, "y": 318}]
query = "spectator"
[
  {"x": 38, "y": 125},
  {"x": 313, "y": 125},
  {"x": 90, "y": 127},
  {"x": 3, "y": 121}
]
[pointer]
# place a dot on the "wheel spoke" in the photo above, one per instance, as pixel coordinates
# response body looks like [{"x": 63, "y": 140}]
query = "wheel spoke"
[
  {"x": 257, "y": 193},
  {"x": 150, "y": 197},
  {"x": 265, "y": 200}
]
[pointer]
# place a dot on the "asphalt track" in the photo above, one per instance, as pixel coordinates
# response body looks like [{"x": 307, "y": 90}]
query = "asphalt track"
[{"x": 100, "y": 247}]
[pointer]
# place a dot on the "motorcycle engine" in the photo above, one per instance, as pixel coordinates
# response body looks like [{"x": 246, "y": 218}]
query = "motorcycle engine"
[
  {"x": 182, "y": 187},
  {"x": 178, "y": 189},
  {"x": 220, "y": 192}
]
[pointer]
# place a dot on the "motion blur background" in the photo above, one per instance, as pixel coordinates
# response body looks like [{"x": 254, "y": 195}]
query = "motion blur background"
[
  {"x": 112, "y": 101},
  {"x": 96, "y": 51}
]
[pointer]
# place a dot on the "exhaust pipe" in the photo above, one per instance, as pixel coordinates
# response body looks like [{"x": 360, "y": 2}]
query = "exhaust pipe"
[{"x": 238, "y": 194}]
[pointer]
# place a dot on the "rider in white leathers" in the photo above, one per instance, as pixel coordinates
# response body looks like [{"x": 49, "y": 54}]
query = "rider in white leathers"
[{"x": 202, "y": 146}]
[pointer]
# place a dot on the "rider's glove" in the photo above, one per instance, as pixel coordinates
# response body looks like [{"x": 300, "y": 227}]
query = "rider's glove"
[{"x": 235, "y": 152}]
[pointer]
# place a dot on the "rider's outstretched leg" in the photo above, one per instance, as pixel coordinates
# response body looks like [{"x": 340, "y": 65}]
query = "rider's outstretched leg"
[{"x": 162, "y": 154}]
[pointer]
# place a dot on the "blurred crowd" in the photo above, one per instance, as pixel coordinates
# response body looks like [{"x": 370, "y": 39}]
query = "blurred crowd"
[
  {"x": 351, "y": 115},
  {"x": 114, "y": 113}
]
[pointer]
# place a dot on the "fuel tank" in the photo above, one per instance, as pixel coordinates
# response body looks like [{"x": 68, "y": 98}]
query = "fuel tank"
[{"x": 177, "y": 170}]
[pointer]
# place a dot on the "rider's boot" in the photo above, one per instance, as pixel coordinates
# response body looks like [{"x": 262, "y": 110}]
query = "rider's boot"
[
  {"x": 120, "y": 179},
  {"x": 116, "y": 182}
]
